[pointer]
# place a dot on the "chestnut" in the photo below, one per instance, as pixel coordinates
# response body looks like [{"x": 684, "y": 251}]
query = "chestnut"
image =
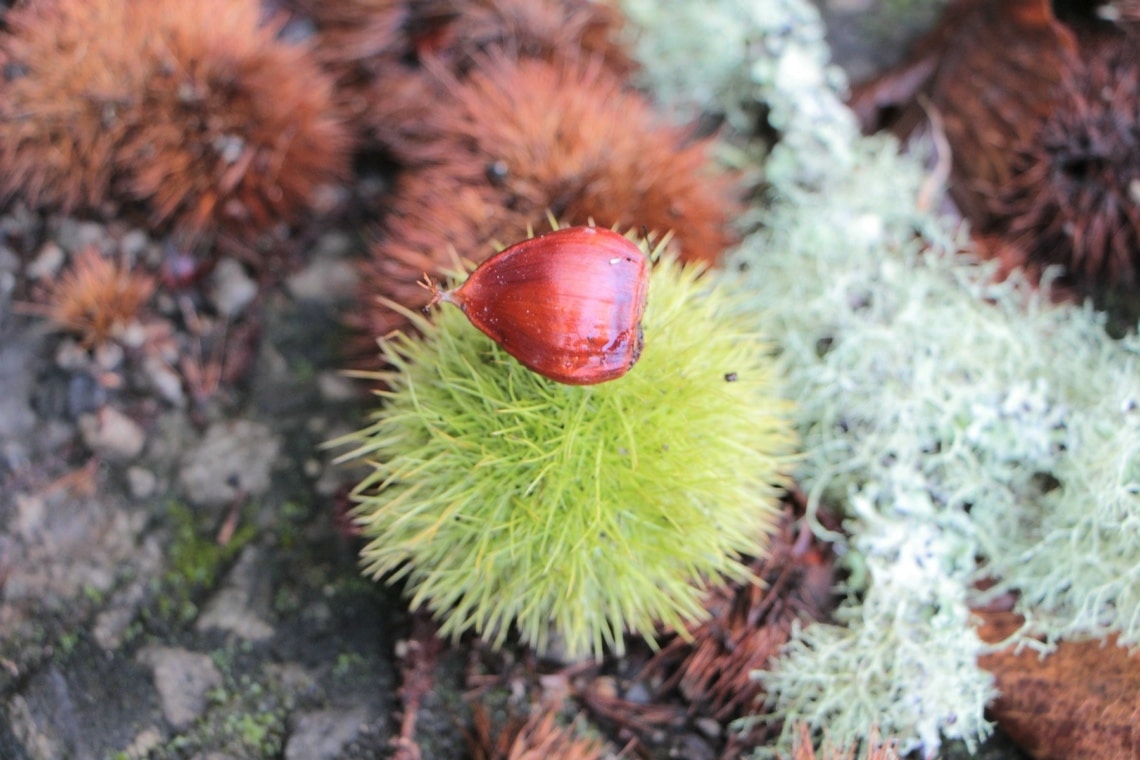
[{"x": 567, "y": 304}]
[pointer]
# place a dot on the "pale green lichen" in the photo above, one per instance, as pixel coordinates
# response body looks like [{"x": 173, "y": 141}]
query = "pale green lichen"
[
  {"x": 888, "y": 370},
  {"x": 503, "y": 498},
  {"x": 966, "y": 427},
  {"x": 732, "y": 55}
]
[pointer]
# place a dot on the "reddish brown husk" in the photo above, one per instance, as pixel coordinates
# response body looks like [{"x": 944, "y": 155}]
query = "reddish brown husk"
[
  {"x": 1038, "y": 105},
  {"x": 566, "y": 304},
  {"x": 517, "y": 141},
  {"x": 196, "y": 113}
]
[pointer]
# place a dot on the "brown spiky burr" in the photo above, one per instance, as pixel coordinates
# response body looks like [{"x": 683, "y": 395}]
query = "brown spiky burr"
[
  {"x": 542, "y": 736},
  {"x": 194, "y": 112},
  {"x": 1073, "y": 199},
  {"x": 517, "y": 140},
  {"x": 460, "y": 31},
  {"x": 96, "y": 298},
  {"x": 711, "y": 666},
  {"x": 1037, "y": 103}
]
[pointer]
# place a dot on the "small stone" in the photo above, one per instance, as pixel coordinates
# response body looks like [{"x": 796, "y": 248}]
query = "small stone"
[
  {"x": 164, "y": 381},
  {"x": 85, "y": 394},
  {"x": 334, "y": 245},
  {"x": 71, "y": 356},
  {"x": 144, "y": 742},
  {"x": 335, "y": 388},
  {"x": 9, "y": 261},
  {"x": 7, "y": 285},
  {"x": 133, "y": 244},
  {"x": 110, "y": 625},
  {"x": 47, "y": 262},
  {"x": 34, "y": 740},
  {"x": 330, "y": 482},
  {"x": 292, "y": 678},
  {"x": 234, "y": 455},
  {"x": 9, "y": 264},
  {"x": 231, "y": 609},
  {"x": 141, "y": 482},
  {"x": 133, "y": 334},
  {"x": 638, "y": 693},
  {"x": 324, "y": 281},
  {"x": 323, "y": 734},
  {"x": 109, "y": 356},
  {"x": 74, "y": 236},
  {"x": 111, "y": 434},
  {"x": 29, "y": 517},
  {"x": 232, "y": 289},
  {"x": 709, "y": 727},
  {"x": 183, "y": 680},
  {"x": 114, "y": 624}
]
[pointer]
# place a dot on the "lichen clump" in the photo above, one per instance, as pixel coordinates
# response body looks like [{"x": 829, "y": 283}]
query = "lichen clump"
[
  {"x": 965, "y": 428},
  {"x": 575, "y": 513}
]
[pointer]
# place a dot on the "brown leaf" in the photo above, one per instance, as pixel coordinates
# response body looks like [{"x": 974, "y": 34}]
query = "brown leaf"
[{"x": 1081, "y": 701}]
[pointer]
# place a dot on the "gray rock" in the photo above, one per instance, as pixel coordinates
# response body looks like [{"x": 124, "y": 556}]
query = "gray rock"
[
  {"x": 321, "y": 735},
  {"x": 164, "y": 381},
  {"x": 234, "y": 455},
  {"x": 71, "y": 356},
  {"x": 141, "y": 482},
  {"x": 75, "y": 235},
  {"x": 17, "y": 418},
  {"x": 47, "y": 262},
  {"x": 9, "y": 261},
  {"x": 60, "y": 548},
  {"x": 183, "y": 680},
  {"x": 30, "y": 515},
  {"x": 112, "y": 624},
  {"x": 324, "y": 281},
  {"x": 145, "y": 741},
  {"x": 112, "y": 434},
  {"x": 7, "y": 285},
  {"x": 109, "y": 356},
  {"x": 9, "y": 265},
  {"x": 232, "y": 290},
  {"x": 233, "y": 608},
  {"x": 336, "y": 388},
  {"x": 37, "y": 743},
  {"x": 133, "y": 243}
]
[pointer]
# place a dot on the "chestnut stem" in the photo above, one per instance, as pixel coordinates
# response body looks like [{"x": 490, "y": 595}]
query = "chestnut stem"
[{"x": 429, "y": 284}]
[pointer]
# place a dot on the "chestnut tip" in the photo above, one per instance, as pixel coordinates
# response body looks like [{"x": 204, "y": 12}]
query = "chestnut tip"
[{"x": 437, "y": 295}]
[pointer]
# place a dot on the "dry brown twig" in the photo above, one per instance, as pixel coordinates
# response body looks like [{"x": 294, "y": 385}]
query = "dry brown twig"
[{"x": 417, "y": 655}]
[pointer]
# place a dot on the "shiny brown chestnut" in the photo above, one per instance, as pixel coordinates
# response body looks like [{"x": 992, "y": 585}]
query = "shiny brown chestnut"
[{"x": 567, "y": 304}]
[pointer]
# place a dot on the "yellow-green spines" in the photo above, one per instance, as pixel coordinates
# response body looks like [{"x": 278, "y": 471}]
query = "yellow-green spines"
[{"x": 505, "y": 498}]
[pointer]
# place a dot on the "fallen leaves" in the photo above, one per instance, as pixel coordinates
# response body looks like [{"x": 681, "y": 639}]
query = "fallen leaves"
[{"x": 1081, "y": 701}]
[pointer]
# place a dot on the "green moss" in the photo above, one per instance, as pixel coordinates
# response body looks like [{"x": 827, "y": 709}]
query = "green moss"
[
  {"x": 261, "y": 734},
  {"x": 347, "y": 663},
  {"x": 194, "y": 561},
  {"x": 502, "y": 497},
  {"x": 66, "y": 644}
]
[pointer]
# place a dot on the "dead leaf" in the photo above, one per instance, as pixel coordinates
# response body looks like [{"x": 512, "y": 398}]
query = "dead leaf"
[{"x": 1081, "y": 701}]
